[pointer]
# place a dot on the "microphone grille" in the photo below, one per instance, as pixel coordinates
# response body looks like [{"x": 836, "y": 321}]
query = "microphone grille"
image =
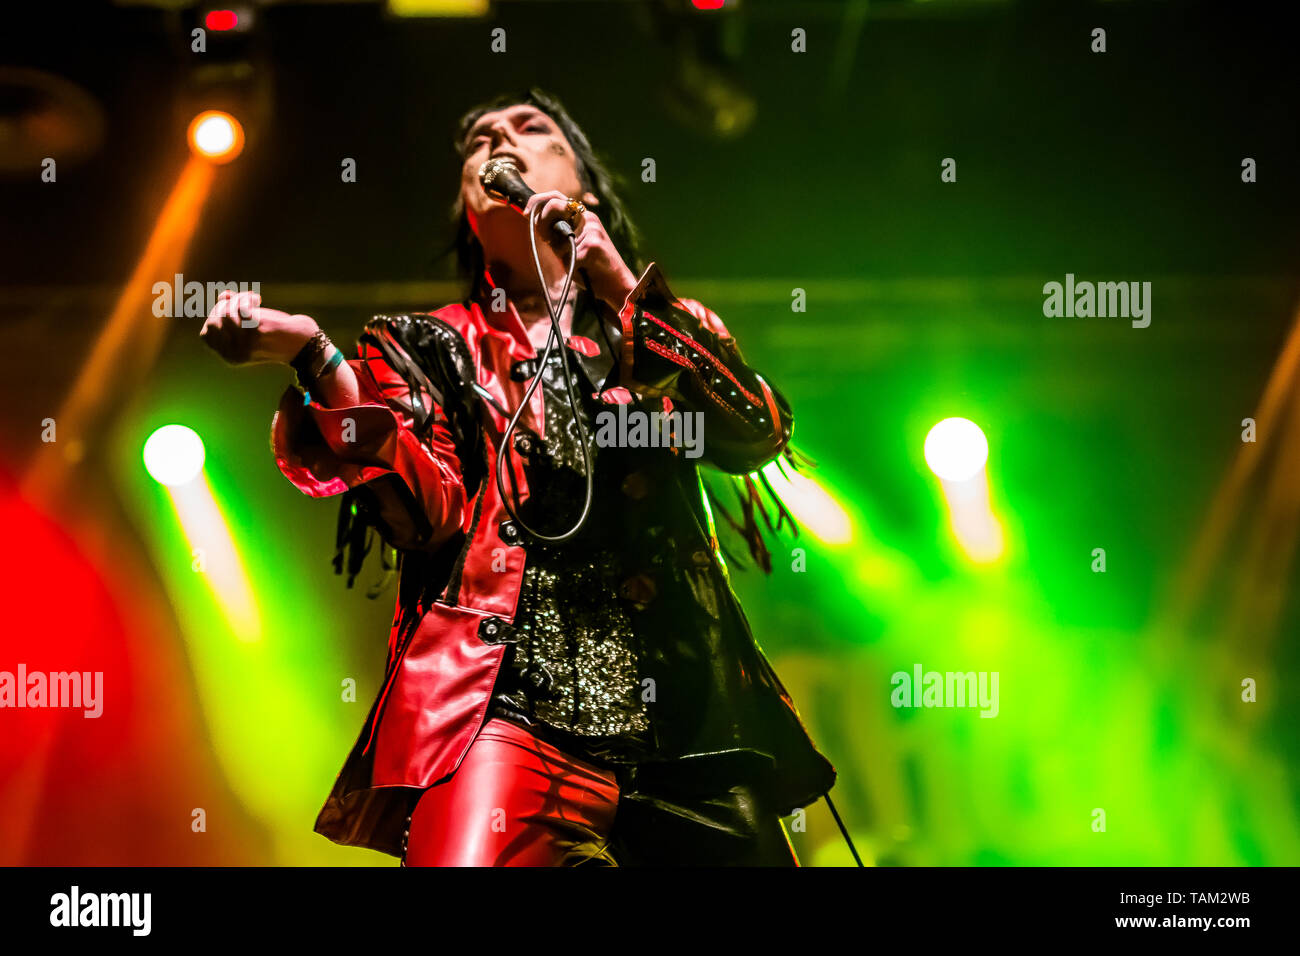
[
  {"x": 501, "y": 179},
  {"x": 493, "y": 168}
]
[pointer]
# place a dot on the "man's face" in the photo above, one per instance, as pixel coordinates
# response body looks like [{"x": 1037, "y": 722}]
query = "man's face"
[{"x": 533, "y": 141}]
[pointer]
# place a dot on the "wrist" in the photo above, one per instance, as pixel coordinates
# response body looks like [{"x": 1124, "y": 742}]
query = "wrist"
[
  {"x": 300, "y": 334},
  {"x": 618, "y": 291},
  {"x": 315, "y": 359}
]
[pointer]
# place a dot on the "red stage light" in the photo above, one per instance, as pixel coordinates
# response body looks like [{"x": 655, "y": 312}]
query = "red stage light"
[
  {"x": 219, "y": 20},
  {"x": 707, "y": 4}
]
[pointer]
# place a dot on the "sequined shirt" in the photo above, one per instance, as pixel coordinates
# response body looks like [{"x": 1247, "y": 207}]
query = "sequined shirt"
[{"x": 575, "y": 668}]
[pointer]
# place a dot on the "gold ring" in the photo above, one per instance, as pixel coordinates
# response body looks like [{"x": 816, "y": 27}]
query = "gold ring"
[{"x": 574, "y": 210}]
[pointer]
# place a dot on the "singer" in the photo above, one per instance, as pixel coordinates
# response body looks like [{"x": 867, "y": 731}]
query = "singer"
[{"x": 570, "y": 678}]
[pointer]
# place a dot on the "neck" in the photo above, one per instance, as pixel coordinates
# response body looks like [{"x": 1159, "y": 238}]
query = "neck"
[
  {"x": 508, "y": 256},
  {"x": 525, "y": 294},
  {"x": 522, "y": 288}
]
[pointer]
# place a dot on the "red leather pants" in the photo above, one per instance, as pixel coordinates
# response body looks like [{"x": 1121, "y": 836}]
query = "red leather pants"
[{"x": 517, "y": 800}]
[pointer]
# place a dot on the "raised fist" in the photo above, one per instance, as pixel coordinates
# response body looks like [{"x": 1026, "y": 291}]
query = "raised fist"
[{"x": 243, "y": 333}]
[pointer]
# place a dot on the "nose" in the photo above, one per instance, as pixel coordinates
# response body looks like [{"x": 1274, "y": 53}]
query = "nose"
[{"x": 500, "y": 130}]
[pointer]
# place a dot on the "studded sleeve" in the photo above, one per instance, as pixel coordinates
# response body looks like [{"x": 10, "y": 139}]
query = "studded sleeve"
[{"x": 680, "y": 349}]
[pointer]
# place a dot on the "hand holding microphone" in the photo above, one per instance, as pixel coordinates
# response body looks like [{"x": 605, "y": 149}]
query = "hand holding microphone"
[
  {"x": 598, "y": 260},
  {"x": 502, "y": 181}
]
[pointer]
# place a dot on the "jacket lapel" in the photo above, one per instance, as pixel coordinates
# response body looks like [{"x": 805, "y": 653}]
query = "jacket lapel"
[{"x": 591, "y": 325}]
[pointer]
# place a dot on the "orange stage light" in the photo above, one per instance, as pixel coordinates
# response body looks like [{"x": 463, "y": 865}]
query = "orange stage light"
[{"x": 216, "y": 136}]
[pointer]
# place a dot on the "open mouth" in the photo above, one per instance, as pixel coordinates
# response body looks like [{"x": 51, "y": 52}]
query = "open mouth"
[{"x": 518, "y": 163}]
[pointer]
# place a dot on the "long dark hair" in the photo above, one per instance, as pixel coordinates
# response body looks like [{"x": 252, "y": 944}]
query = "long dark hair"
[{"x": 593, "y": 174}]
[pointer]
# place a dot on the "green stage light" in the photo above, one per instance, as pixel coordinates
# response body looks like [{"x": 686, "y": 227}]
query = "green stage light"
[
  {"x": 173, "y": 455},
  {"x": 956, "y": 449}
]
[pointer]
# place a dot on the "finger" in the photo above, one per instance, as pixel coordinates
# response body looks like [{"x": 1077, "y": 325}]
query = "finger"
[
  {"x": 584, "y": 221},
  {"x": 581, "y": 261},
  {"x": 221, "y": 308},
  {"x": 557, "y": 212},
  {"x": 229, "y": 303},
  {"x": 538, "y": 198},
  {"x": 551, "y": 210},
  {"x": 244, "y": 303},
  {"x": 222, "y": 331},
  {"x": 582, "y": 246},
  {"x": 590, "y": 240}
]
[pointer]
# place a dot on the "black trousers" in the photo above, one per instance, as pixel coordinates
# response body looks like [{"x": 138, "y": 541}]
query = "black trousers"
[{"x": 667, "y": 817}]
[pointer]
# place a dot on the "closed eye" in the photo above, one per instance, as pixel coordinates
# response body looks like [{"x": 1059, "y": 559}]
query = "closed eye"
[{"x": 532, "y": 127}]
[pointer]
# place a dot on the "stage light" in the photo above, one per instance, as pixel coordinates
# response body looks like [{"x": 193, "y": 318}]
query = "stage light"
[
  {"x": 956, "y": 449},
  {"x": 221, "y": 20},
  {"x": 438, "y": 8},
  {"x": 123, "y": 341},
  {"x": 974, "y": 525},
  {"x": 810, "y": 504},
  {"x": 173, "y": 455},
  {"x": 216, "y": 136}
]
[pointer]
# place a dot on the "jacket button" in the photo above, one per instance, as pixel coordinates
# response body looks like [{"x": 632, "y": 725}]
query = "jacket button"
[
  {"x": 635, "y": 486},
  {"x": 523, "y": 443},
  {"x": 539, "y": 680},
  {"x": 493, "y": 630},
  {"x": 509, "y": 533},
  {"x": 523, "y": 370},
  {"x": 640, "y": 589}
]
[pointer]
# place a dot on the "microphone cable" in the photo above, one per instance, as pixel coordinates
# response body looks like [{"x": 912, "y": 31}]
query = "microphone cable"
[{"x": 555, "y": 337}]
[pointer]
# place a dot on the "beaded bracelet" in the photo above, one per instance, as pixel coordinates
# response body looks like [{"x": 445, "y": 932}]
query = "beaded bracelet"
[{"x": 308, "y": 364}]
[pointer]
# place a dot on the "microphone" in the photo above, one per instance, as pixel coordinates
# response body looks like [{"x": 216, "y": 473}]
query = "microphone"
[{"x": 502, "y": 182}]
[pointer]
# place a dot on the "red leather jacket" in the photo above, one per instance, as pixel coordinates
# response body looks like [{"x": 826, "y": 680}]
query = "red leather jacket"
[{"x": 444, "y": 654}]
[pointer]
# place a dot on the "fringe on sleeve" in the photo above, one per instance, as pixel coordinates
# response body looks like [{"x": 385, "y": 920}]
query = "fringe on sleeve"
[
  {"x": 353, "y": 539},
  {"x": 750, "y": 491},
  {"x": 431, "y": 358}
]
